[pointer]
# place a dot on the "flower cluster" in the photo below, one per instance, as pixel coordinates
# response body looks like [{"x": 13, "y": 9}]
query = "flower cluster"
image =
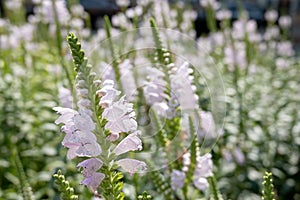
[
  {"x": 203, "y": 169},
  {"x": 87, "y": 127},
  {"x": 82, "y": 142}
]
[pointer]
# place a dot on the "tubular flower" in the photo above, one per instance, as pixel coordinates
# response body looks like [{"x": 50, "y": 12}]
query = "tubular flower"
[
  {"x": 183, "y": 88},
  {"x": 119, "y": 114},
  {"x": 79, "y": 137},
  {"x": 92, "y": 178},
  {"x": 81, "y": 141},
  {"x": 99, "y": 111}
]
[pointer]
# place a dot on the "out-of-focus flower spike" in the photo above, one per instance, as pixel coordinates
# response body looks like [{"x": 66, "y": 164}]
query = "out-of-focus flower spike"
[
  {"x": 214, "y": 190},
  {"x": 177, "y": 179},
  {"x": 192, "y": 157},
  {"x": 157, "y": 40}
]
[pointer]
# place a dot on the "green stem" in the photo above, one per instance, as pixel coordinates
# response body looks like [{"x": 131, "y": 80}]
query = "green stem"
[
  {"x": 115, "y": 62},
  {"x": 59, "y": 50}
]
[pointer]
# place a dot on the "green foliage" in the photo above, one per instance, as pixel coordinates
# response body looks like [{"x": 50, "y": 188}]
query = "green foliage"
[
  {"x": 268, "y": 187},
  {"x": 145, "y": 196},
  {"x": 77, "y": 52},
  {"x": 162, "y": 57},
  {"x": 115, "y": 61},
  {"x": 162, "y": 135},
  {"x": 67, "y": 192},
  {"x": 112, "y": 185},
  {"x": 162, "y": 184},
  {"x": 194, "y": 150},
  {"x": 25, "y": 187},
  {"x": 214, "y": 190},
  {"x": 158, "y": 42}
]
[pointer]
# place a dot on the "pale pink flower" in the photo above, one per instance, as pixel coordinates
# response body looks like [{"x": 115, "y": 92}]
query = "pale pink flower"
[
  {"x": 271, "y": 15},
  {"x": 131, "y": 165},
  {"x": 93, "y": 181},
  {"x": 177, "y": 179},
  {"x": 131, "y": 143},
  {"x": 285, "y": 21}
]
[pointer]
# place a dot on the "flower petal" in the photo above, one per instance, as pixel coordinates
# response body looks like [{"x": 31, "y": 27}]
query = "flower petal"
[
  {"x": 79, "y": 137},
  {"x": 84, "y": 122},
  {"x": 66, "y": 114},
  {"x": 89, "y": 150},
  {"x": 131, "y": 143},
  {"x": 204, "y": 166},
  {"x": 93, "y": 181},
  {"x": 201, "y": 183},
  {"x": 90, "y": 166},
  {"x": 131, "y": 165},
  {"x": 177, "y": 179},
  {"x": 124, "y": 124},
  {"x": 72, "y": 153}
]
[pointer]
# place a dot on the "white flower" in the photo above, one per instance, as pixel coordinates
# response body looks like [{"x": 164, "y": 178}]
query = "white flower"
[
  {"x": 285, "y": 49},
  {"x": 201, "y": 183},
  {"x": 90, "y": 166},
  {"x": 182, "y": 87},
  {"x": 285, "y": 21},
  {"x": 131, "y": 143},
  {"x": 79, "y": 138},
  {"x": 155, "y": 86},
  {"x": 132, "y": 166},
  {"x": 271, "y": 15},
  {"x": 208, "y": 128},
  {"x": 65, "y": 97},
  {"x": 108, "y": 93},
  {"x": 120, "y": 117},
  {"x": 93, "y": 181},
  {"x": 223, "y": 14},
  {"x": 177, "y": 179},
  {"x": 202, "y": 171}
]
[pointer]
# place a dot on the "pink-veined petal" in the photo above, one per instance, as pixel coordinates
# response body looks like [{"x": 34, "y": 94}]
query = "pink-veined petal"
[
  {"x": 79, "y": 137},
  {"x": 114, "y": 112},
  {"x": 89, "y": 150},
  {"x": 113, "y": 137},
  {"x": 132, "y": 166},
  {"x": 124, "y": 124},
  {"x": 93, "y": 181},
  {"x": 84, "y": 122},
  {"x": 71, "y": 153},
  {"x": 66, "y": 114},
  {"x": 131, "y": 143},
  {"x": 90, "y": 166}
]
